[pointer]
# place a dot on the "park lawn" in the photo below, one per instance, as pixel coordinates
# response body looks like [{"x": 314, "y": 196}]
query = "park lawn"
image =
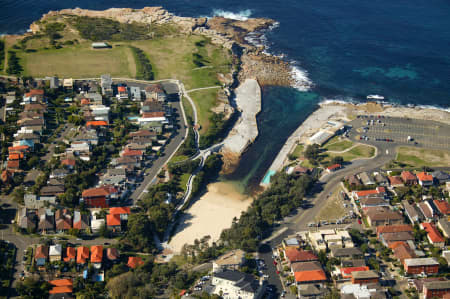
[
  {"x": 178, "y": 158},
  {"x": 419, "y": 157},
  {"x": 338, "y": 145},
  {"x": 188, "y": 109},
  {"x": 298, "y": 151},
  {"x": 172, "y": 57},
  {"x": 79, "y": 62},
  {"x": 359, "y": 151},
  {"x": 204, "y": 100},
  {"x": 183, "y": 180}
]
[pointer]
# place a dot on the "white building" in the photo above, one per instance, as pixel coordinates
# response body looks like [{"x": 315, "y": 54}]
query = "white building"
[
  {"x": 358, "y": 291},
  {"x": 235, "y": 284},
  {"x": 96, "y": 223},
  {"x": 55, "y": 253}
]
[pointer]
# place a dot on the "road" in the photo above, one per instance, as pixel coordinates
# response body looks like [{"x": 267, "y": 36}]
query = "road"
[
  {"x": 320, "y": 192},
  {"x": 51, "y": 149}
]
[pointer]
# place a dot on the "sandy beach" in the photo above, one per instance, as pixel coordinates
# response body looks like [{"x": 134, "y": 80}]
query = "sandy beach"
[{"x": 209, "y": 215}]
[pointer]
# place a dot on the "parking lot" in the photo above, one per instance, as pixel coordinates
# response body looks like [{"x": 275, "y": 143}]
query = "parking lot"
[{"x": 378, "y": 130}]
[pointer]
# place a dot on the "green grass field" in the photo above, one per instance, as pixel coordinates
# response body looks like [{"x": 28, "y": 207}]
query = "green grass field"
[
  {"x": 338, "y": 145},
  {"x": 79, "y": 61},
  {"x": 419, "y": 157},
  {"x": 183, "y": 180},
  {"x": 204, "y": 101},
  {"x": 298, "y": 151},
  {"x": 360, "y": 151}
]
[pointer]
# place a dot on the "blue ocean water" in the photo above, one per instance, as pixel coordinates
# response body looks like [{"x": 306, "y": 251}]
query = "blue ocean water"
[{"x": 347, "y": 49}]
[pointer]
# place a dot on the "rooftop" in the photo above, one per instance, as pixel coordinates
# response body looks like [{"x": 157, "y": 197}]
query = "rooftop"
[
  {"x": 426, "y": 261},
  {"x": 307, "y": 276}
]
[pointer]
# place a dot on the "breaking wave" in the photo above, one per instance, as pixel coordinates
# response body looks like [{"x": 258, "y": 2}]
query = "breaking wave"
[{"x": 243, "y": 15}]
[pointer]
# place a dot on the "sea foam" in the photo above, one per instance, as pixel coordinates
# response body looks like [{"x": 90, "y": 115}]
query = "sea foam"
[
  {"x": 300, "y": 76},
  {"x": 242, "y": 15}
]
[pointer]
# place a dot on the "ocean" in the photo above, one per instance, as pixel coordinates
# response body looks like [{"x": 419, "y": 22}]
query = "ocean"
[{"x": 342, "y": 50}]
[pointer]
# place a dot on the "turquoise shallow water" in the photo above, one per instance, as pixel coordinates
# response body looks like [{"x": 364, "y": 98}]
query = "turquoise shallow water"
[{"x": 347, "y": 49}]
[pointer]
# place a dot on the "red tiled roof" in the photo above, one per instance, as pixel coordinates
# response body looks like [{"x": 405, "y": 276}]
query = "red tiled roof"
[
  {"x": 99, "y": 191},
  {"x": 82, "y": 254},
  {"x": 70, "y": 254},
  {"x": 130, "y": 153},
  {"x": 96, "y": 254},
  {"x": 96, "y": 123},
  {"x": 443, "y": 206},
  {"x": 121, "y": 89},
  {"x": 346, "y": 272},
  {"x": 112, "y": 219},
  {"x": 153, "y": 114},
  {"x": 395, "y": 180},
  {"x": 119, "y": 210},
  {"x": 394, "y": 228},
  {"x": 366, "y": 192},
  {"x": 34, "y": 92},
  {"x": 134, "y": 261},
  {"x": 62, "y": 282},
  {"x": 335, "y": 166},
  {"x": 295, "y": 255},
  {"x": 314, "y": 275},
  {"x": 85, "y": 101},
  {"x": 408, "y": 176},
  {"x": 60, "y": 290},
  {"x": 434, "y": 235},
  {"x": 112, "y": 254},
  {"x": 13, "y": 164},
  {"x": 424, "y": 177},
  {"x": 396, "y": 244},
  {"x": 403, "y": 252},
  {"x": 70, "y": 162},
  {"x": 19, "y": 148},
  {"x": 41, "y": 252},
  {"x": 15, "y": 156}
]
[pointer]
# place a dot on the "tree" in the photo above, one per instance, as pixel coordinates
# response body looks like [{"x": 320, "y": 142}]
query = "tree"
[
  {"x": 31, "y": 288},
  {"x": 337, "y": 160},
  {"x": 18, "y": 194},
  {"x": 312, "y": 153}
]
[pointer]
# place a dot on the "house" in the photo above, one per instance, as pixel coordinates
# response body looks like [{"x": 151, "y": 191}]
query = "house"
[
  {"x": 96, "y": 124},
  {"x": 32, "y": 201},
  {"x": 334, "y": 168},
  {"x": 306, "y": 266},
  {"x": 378, "y": 192},
  {"x": 433, "y": 235},
  {"x": 393, "y": 229},
  {"x": 61, "y": 286},
  {"x": 426, "y": 265},
  {"x": 100, "y": 112},
  {"x": 444, "y": 226},
  {"x": 436, "y": 289},
  {"x": 383, "y": 216},
  {"x": 135, "y": 93},
  {"x": 390, "y": 234},
  {"x": 366, "y": 179},
  {"x": 46, "y": 220},
  {"x": 41, "y": 255},
  {"x": 358, "y": 291},
  {"x": 380, "y": 179},
  {"x": 426, "y": 210},
  {"x": 373, "y": 202},
  {"x": 235, "y": 284},
  {"x": 425, "y": 179},
  {"x": 294, "y": 255},
  {"x": 409, "y": 178},
  {"x": 80, "y": 221},
  {"x": 54, "y": 82},
  {"x": 364, "y": 277},
  {"x": 106, "y": 85},
  {"x": 122, "y": 93},
  {"x": 97, "y": 256},
  {"x": 100, "y": 197},
  {"x": 346, "y": 253},
  {"x": 128, "y": 162},
  {"x": 88, "y": 136},
  {"x": 63, "y": 220},
  {"x": 96, "y": 222},
  {"x": 317, "y": 241},
  {"x": 395, "y": 181},
  {"x": 138, "y": 155},
  {"x": 310, "y": 277},
  {"x": 68, "y": 84},
  {"x": 113, "y": 222},
  {"x": 143, "y": 137},
  {"x": 231, "y": 260},
  {"x": 27, "y": 219},
  {"x": 353, "y": 180},
  {"x": 402, "y": 251},
  {"x": 346, "y": 272},
  {"x": 442, "y": 206},
  {"x": 291, "y": 242},
  {"x": 71, "y": 254},
  {"x": 114, "y": 176},
  {"x": 156, "y": 92},
  {"x": 55, "y": 253},
  {"x": 413, "y": 214},
  {"x": 69, "y": 163},
  {"x": 310, "y": 291},
  {"x": 298, "y": 170},
  {"x": 134, "y": 262},
  {"x": 440, "y": 177},
  {"x": 82, "y": 254},
  {"x": 52, "y": 190},
  {"x": 112, "y": 254},
  {"x": 59, "y": 173}
]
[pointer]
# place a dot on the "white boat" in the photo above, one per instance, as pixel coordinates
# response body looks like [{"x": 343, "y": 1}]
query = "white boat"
[{"x": 375, "y": 97}]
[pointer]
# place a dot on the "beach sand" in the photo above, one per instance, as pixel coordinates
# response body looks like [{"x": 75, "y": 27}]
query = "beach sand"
[{"x": 209, "y": 215}]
